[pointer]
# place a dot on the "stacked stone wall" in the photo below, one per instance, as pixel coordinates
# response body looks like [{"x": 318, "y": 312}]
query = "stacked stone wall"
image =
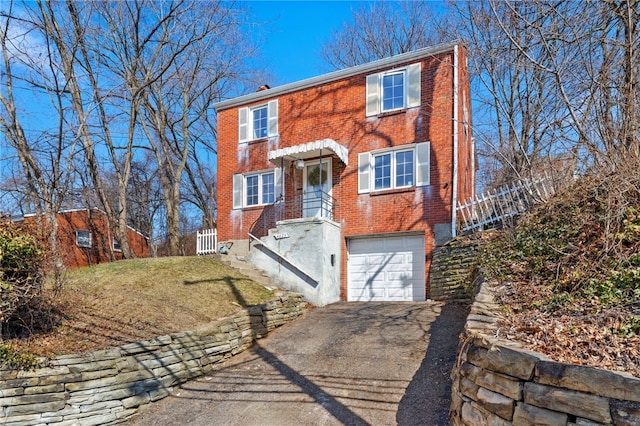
[
  {"x": 497, "y": 382},
  {"x": 453, "y": 269},
  {"x": 108, "y": 386}
]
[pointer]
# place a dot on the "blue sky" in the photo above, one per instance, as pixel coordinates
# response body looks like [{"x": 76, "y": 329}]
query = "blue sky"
[{"x": 294, "y": 32}]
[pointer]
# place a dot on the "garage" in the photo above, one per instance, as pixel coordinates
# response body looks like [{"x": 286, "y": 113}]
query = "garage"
[{"x": 388, "y": 268}]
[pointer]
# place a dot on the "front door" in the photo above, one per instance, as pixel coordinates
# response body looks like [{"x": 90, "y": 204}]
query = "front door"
[{"x": 316, "y": 201}]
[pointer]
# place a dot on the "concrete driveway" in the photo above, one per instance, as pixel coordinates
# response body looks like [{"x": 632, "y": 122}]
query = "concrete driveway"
[{"x": 347, "y": 363}]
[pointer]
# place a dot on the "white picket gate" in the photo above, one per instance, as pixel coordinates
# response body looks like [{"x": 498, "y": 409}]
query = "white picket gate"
[{"x": 206, "y": 242}]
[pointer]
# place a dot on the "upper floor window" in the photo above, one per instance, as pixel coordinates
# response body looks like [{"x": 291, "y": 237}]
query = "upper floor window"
[
  {"x": 258, "y": 122},
  {"x": 393, "y": 90},
  {"x": 401, "y": 167},
  {"x": 83, "y": 238},
  {"x": 259, "y": 116},
  {"x": 257, "y": 189}
]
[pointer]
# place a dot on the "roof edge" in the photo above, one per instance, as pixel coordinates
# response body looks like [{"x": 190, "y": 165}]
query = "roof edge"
[{"x": 336, "y": 75}]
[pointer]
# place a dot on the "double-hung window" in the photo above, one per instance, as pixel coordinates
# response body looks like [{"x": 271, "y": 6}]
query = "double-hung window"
[
  {"x": 401, "y": 167},
  {"x": 393, "y": 90},
  {"x": 257, "y": 188},
  {"x": 393, "y": 170},
  {"x": 259, "y": 117},
  {"x": 258, "y": 122}
]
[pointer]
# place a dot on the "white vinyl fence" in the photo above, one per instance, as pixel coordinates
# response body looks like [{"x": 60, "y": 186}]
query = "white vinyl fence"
[
  {"x": 207, "y": 242},
  {"x": 509, "y": 200}
]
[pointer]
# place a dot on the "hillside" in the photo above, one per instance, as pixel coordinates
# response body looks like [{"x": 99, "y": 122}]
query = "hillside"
[
  {"x": 570, "y": 274},
  {"x": 111, "y": 304}
]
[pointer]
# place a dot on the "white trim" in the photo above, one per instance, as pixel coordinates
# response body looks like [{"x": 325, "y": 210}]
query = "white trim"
[
  {"x": 390, "y": 73},
  {"x": 239, "y": 190},
  {"x": 364, "y": 173},
  {"x": 411, "y": 89},
  {"x": 336, "y": 75},
  {"x": 423, "y": 164},
  {"x": 421, "y": 167},
  {"x": 393, "y": 168},
  {"x": 260, "y": 175}
]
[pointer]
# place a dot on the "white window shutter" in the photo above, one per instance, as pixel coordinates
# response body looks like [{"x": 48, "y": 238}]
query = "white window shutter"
[
  {"x": 243, "y": 122},
  {"x": 238, "y": 181},
  {"x": 364, "y": 172},
  {"x": 413, "y": 85},
  {"x": 423, "y": 166},
  {"x": 272, "y": 113},
  {"x": 279, "y": 188},
  {"x": 373, "y": 95}
]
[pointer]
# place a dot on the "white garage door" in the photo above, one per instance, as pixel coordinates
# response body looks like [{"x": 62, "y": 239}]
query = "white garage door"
[{"x": 386, "y": 269}]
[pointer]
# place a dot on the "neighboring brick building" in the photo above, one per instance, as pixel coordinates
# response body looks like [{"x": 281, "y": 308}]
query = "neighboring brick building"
[
  {"x": 85, "y": 238},
  {"x": 381, "y": 151}
]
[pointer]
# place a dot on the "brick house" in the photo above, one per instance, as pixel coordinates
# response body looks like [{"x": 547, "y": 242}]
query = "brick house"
[
  {"x": 343, "y": 184},
  {"x": 85, "y": 238}
]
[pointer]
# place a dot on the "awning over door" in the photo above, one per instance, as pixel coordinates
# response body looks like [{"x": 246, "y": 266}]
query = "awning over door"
[{"x": 310, "y": 150}]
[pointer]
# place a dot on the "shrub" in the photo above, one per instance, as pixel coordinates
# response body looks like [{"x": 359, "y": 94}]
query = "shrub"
[
  {"x": 20, "y": 272},
  {"x": 12, "y": 357}
]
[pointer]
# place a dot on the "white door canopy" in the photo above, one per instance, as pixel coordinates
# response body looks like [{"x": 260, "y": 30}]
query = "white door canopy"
[{"x": 310, "y": 150}]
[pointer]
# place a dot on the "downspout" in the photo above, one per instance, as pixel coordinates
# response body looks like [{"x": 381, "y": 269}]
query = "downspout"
[{"x": 454, "y": 191}]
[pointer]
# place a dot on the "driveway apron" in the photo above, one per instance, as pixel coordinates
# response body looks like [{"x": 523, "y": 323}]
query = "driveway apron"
[{"x": 347, "y": 363}]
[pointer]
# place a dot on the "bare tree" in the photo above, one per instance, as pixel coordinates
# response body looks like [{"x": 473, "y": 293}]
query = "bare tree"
[
  {"x": 131, "y": 78},
  {"x": 46, "y": 156},
  {"x": 588, "y": 52},
  {"x": 516, "y": 113},
  {"x": 382, "y": 29},
  {"x": 175, "y": 108}
]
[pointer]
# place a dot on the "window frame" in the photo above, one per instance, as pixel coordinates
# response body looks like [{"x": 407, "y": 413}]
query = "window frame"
[
  {"x": 246, "y": 123},
  {"x": 411, "y": 89},
  {"x": 252, "y": 121},
  {"x": 421, "y": 167},
  {"x": 393, "y": 171},
  {"x": 84, "y": 245},
  {"x": 403, "y": 73},
  {"x": 240, "y": 188}
]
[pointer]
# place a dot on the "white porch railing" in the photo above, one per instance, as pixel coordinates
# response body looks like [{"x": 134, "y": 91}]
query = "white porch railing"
[
  {"x": 509, "y": 200},
  {"x": 206, "y": 242}
]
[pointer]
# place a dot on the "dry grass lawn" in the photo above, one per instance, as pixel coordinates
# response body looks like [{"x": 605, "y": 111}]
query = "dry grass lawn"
[{"x": 132, "y": 300}]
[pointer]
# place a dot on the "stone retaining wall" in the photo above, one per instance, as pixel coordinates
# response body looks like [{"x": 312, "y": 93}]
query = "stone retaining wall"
[
  {"x": 452, "y": 269},
  {"x": 107, "y": 386},
  {"x": 497, "y": 382}
]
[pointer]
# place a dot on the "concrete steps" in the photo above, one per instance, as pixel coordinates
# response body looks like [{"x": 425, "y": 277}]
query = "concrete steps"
[{"x": 236, "y": 259}]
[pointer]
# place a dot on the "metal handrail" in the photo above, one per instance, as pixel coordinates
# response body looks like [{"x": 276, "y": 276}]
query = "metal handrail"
[{"x": 294, "y": 208}]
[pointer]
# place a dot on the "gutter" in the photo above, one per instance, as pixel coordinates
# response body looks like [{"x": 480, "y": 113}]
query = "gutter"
[{"x": 456, "y": 88}]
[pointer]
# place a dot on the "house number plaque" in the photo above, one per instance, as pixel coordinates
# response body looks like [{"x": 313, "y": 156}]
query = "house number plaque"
[{"x": 281, "y": 236}]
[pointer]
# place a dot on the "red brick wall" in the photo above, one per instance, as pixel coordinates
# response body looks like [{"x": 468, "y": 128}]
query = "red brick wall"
[
  {"x": 101, "y": 249},
  {"x": 336, "y": 110}
]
